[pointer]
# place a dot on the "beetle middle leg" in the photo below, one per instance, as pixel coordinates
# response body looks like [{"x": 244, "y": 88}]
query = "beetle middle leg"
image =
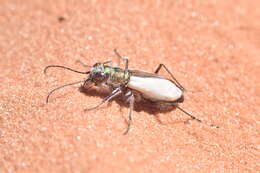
[
  {"x": 131, "y": 100},
  {"x": 168, "y": 71},
  {"x": 115, "y": 93}
]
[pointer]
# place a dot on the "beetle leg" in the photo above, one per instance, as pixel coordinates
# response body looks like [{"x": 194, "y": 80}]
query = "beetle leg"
[
  {"x": 109, "y": 62},
  {"x": 115, "y": 93},
  {"x": 131, "y": 100},
  {"x": 86, "y": 83},
  {"x": 174, "y": 79},
  {"x": 193, "y": 117},
  {"x": 123, "y": 58}
]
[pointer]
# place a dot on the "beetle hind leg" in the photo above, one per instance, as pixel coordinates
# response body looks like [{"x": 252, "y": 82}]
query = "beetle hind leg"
[{"x": 168, "y": 71}]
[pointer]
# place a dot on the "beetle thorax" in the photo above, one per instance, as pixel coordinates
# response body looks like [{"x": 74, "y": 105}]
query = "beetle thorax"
[{"x": 118, "y": 76}]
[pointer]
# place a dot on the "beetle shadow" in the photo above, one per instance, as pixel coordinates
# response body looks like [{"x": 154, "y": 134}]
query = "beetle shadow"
[{"x": 143, "y": 105}]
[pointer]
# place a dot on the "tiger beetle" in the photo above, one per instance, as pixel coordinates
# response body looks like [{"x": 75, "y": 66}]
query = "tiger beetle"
[{"x": 134, "y": 85}]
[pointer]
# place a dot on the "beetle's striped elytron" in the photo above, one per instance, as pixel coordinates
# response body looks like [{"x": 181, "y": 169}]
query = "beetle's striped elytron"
[{"x": 133, "y": 84}]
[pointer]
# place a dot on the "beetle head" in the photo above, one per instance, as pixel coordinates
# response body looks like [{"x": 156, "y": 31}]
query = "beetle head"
[{"x": 98, "y": 74}]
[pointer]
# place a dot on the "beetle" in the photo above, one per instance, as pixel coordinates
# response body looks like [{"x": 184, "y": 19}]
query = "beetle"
[{"x": 134, "y": 85}]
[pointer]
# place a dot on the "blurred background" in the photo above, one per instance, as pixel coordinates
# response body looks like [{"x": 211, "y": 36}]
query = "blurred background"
[{"x": 211, "y": 46}]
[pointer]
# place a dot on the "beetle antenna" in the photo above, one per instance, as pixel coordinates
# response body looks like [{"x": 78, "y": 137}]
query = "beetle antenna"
[
  {"x": 51, "y": 92},
  {"x": 66, "y": 68},
  {"x": 195, "y": 118}
]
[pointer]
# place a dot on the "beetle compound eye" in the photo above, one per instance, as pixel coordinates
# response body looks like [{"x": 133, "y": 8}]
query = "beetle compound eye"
[{"x": 99, "y": 77}]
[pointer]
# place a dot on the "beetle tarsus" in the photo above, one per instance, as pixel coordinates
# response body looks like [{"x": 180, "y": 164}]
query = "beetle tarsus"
[
  {"x": 197, "y": 119},
  {"x": 193, "y": 117}
]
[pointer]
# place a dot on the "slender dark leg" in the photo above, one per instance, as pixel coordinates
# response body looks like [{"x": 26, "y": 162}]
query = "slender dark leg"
[
  {"x": 131, "y": 107},
  {"x": 120, "y": 57},
  {"x": 174, "y": 79},
  {"x": 86, "y": 83},
  {"x": 195, "y": 118},
  {"x": 115, "y": 93}
]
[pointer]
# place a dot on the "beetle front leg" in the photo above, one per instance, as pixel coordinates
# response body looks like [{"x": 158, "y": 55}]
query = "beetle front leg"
[{"x": 115, "y": 93}]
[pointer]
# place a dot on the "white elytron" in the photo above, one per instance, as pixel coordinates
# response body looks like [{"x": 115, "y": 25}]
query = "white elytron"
[{"x": 155, "y": 88}]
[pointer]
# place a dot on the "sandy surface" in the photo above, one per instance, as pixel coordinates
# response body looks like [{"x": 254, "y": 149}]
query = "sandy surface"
[{"x": 212, "y": 46}]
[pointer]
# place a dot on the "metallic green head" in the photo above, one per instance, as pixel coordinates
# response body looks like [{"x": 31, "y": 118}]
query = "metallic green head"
[{"x": 98, "y": 74}]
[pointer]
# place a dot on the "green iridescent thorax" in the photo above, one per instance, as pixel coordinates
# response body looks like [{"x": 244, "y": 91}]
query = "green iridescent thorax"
[{"x": 117, "y": 76}]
